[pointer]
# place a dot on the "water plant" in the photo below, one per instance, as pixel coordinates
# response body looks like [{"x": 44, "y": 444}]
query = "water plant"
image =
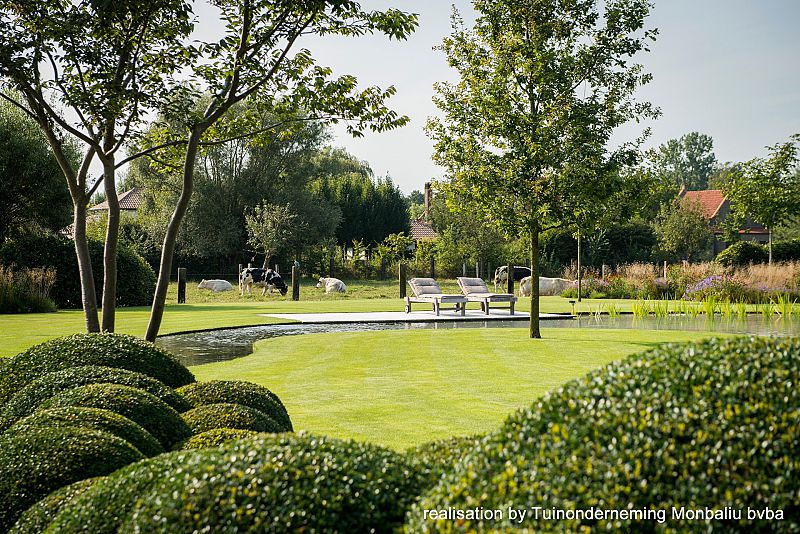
[
  {"x": 613, "y": 310},
  {"x": 709, "y": 304},
  {"x": 741, "y": 309},
  {"x": 784, "y": 305},
  {"x": 726, "y": 309},
  {"x": 661, "y": 308},
  {"x": 767, "y": 309},
  {"x": 641, "y": 308}
]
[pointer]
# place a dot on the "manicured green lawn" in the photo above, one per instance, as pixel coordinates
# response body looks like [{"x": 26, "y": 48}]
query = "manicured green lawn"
[{"x": 401, "y": 388}]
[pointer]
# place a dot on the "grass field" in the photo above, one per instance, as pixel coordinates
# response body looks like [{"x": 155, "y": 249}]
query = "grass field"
[{"x": 401, "y": 388}]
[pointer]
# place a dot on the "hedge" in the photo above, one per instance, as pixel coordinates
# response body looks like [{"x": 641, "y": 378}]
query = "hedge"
[
  {"x": 110, "y": 350},
  {"x": 238, "y": 392},
  {"x": 235, "y": 416},
  {"x": 742, "y": 253},
  {"x": 37, "y": 518},
  {"x": 31, "y": 396},
  {"x": 136, "y": 280},
  {"x": 41, "y": 460},
  {"x": 215, "y": 438},
  {"x": 95, "y": 418},
  {"x": 154, "y": 415},
  {"x": 711, "y": 425},
  {"x": 280, "y": 483},
  {"x": 436, "y": 458}
]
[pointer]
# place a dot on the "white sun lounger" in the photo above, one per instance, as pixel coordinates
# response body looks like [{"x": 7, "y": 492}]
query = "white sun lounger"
[
  {"x": 476, "y": 290},
  {"x": 427, "y": 290}
]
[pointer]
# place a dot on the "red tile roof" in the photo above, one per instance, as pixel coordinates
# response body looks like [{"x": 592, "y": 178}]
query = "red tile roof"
[
  {"x": 422, "y": 230},
  {"x": 709, "y": 201},
  {"x": 128, "y": 201}
]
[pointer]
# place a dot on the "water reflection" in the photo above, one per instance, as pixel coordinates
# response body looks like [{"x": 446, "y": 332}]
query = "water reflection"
[{"x": 221, "y": 345}]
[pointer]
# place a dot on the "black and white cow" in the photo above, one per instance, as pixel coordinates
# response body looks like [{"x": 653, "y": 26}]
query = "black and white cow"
[
  {"x": 501, "y": 274},
  {"x": 266, "y": 278}
]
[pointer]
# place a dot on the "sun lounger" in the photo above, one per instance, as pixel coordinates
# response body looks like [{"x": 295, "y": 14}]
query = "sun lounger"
[
  {"x": 427, "y": 290},
  {"x": 475, "y": 290}
]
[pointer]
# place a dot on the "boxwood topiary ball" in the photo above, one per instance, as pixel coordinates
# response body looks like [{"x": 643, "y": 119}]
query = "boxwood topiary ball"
[
  {"x": 238, "y": 392},
  {"x": 235, "y": 416},
  {"x": 154, "y": 415},
  {"x": 96, "y": 418},
  {"x": 215, "y": 438},
  {"x": 41, "y": 460},
  {"x": 37, "y": 518},
  {"x": 280, "y": 483},
  {"x": 709, "y": 425},
  {"x": 28, "y": 399},
  {"x": 437, "y": 458},
  {"x": 109, "y": 350}
]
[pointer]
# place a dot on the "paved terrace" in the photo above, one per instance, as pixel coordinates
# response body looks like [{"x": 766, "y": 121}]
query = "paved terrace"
[{"x": 447, "y": 315}]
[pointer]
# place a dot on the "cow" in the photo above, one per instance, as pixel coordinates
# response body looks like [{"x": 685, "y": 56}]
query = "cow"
[
  {"x": 332, "y": 285},
  {"x": 266, "y": 278},
  {"x": 215, "y": 286},
  {"x": 547, "y": 286},
  {"x": 501, "y": 274}
]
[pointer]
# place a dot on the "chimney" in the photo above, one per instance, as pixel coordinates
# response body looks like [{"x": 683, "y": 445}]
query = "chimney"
[{"x": 427, "y": 201}]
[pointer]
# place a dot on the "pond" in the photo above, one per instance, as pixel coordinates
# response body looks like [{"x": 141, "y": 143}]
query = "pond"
[{"x": 220, "y": 345}]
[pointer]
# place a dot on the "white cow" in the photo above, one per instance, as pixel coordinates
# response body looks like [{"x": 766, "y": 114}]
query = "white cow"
[
  {"x": 332, "y": 285},
  {"x": 215, "y": 285},
  {"x": 547, "y": 286}
]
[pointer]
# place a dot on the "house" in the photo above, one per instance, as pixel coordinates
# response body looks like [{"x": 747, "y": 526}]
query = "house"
[
  {"x": 129, "y": 202},
  {"x": 715, "y": 208}
]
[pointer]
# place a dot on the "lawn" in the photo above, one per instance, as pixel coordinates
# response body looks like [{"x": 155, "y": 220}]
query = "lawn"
[{"x": 401, "y": 388}]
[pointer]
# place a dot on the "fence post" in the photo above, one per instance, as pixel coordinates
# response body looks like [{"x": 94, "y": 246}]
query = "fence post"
[
  {"x": 402, "y": 279},
  {"x": 330, "y": 265},
  {"x": 181, "y": 285},
  {"x": 477, "y": 269},
  {"x": 665, "y": 269},
  {"x": 433, "y": 267},
  {"x": 464, "y": 269},
  {"x": 510, "y": 278},
  {"x": 603, "y": 271},
  {"x": 295, "y": 282},
  {"x": 277, "y": 269}
]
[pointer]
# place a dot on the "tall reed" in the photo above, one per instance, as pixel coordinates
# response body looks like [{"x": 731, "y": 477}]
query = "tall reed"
[{"x": 26, "y": 290}]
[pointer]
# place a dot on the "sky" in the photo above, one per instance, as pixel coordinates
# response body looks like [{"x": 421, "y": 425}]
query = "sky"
[{"x": 725, "y": 68}]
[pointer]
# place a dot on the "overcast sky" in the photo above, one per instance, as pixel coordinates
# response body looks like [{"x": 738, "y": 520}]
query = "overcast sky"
[{"x": 726, "y": 68}]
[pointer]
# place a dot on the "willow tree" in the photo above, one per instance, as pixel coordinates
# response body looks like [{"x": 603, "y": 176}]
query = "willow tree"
[
  {"x": 524, "y": 132},
  {"x": 258, "y": 57}
]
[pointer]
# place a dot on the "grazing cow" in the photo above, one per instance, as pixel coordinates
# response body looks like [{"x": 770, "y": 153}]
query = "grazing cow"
[
  {"x": 332, "y": 285},
  {"x": 215, "y": 286},
  {"x": 547, "y": 286},
  {"x": 501, "y": 274},
  {"x": 266, "y": 278}
]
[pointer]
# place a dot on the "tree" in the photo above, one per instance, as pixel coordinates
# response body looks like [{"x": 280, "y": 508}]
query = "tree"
[
  {"x": 686, "y": 162},
  {"x": 767, "y": 190},
  {"x": 33, "y": 194},
  {"x": 253, "y": 58},
  {"x": 106, "y": 64},
  {"x": 682, "y": 230},
  {"x": 543, "y": 84},
  {"x": 271, "y": 227}
]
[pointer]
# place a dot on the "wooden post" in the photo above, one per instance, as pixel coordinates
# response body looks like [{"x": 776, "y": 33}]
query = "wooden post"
[
  {"x": 477, "y": 269},
  {"x": 433, "y": 267},
  {"x": 464, "y": 269},
  {"x": 277, "y": 269},
  {"x": 603, "y": 271},
  {"x": 382, "y": 275},
  {"x": 181, "y": 285},
  {"x": 295, "y": 282},
  {"x": 330, "y": 265},
  {"x": 665, "y": 269},
  {"x": 402, "y": 277},
  {"x": 510, "y": 278},
  {"x": 579, "y": 266}
]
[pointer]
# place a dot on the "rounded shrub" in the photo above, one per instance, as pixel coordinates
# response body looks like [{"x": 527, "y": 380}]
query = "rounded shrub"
[
  {"x": 95, "y": 418},
  {"x": 704, "y": 426},
  {"x": 37, "y": 518},
  {"x": 234, "y": 416},
  {"x": 109, "y": 350},
  {"x": 41, "y": 460},
  {"x": 151, "y": 413},
  {"x": 437, "y": 458},
  {"x": 215, "y": 438},
  {"x": 238, "y": 392},
  {"x": 280, "y": 483},
  {"x": 28, "y": 399},
  {"x": 743, "y": 253}
]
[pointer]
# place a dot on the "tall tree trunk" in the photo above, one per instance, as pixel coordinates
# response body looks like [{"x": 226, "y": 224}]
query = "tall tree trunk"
[
  {"x": 535, "y": 333},
  {"x": 110, "y": 250},
  {"x": 171, "y": 237},
  {"x": 579, "y": 266},
  {"x": 88, "y": 291}
]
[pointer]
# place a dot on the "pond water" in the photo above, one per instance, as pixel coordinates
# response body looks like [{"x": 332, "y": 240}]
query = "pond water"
[{"x": 220, "y": 345}]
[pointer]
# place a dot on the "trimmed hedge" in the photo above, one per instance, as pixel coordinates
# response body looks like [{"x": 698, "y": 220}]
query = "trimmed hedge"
[
  {"x": 41, "y": 460},
  {"x": 238, "y": 392},
  {"x": 154, "y": 415},
  {"x": 280, "y": 483},
  {"x": 136, "y": 280},
  {"x": 38, "y": 517},
  {"x": 711, "y": 425},
  {"x": 437, "y": 458},
  {"x": 233, "y": 416},
  {"x": 110, "y": 350},
  {"x": 742, "y": 253},
  {"x": 215, "y": 438},
  {"x": 95, "y": 418},
  {"x": 28, "y": 399}
]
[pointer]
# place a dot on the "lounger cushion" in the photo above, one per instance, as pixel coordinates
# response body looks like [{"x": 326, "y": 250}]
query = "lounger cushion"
[
  {"x": 472, "y": 285},
  {"x": 425, "y": 286}
]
